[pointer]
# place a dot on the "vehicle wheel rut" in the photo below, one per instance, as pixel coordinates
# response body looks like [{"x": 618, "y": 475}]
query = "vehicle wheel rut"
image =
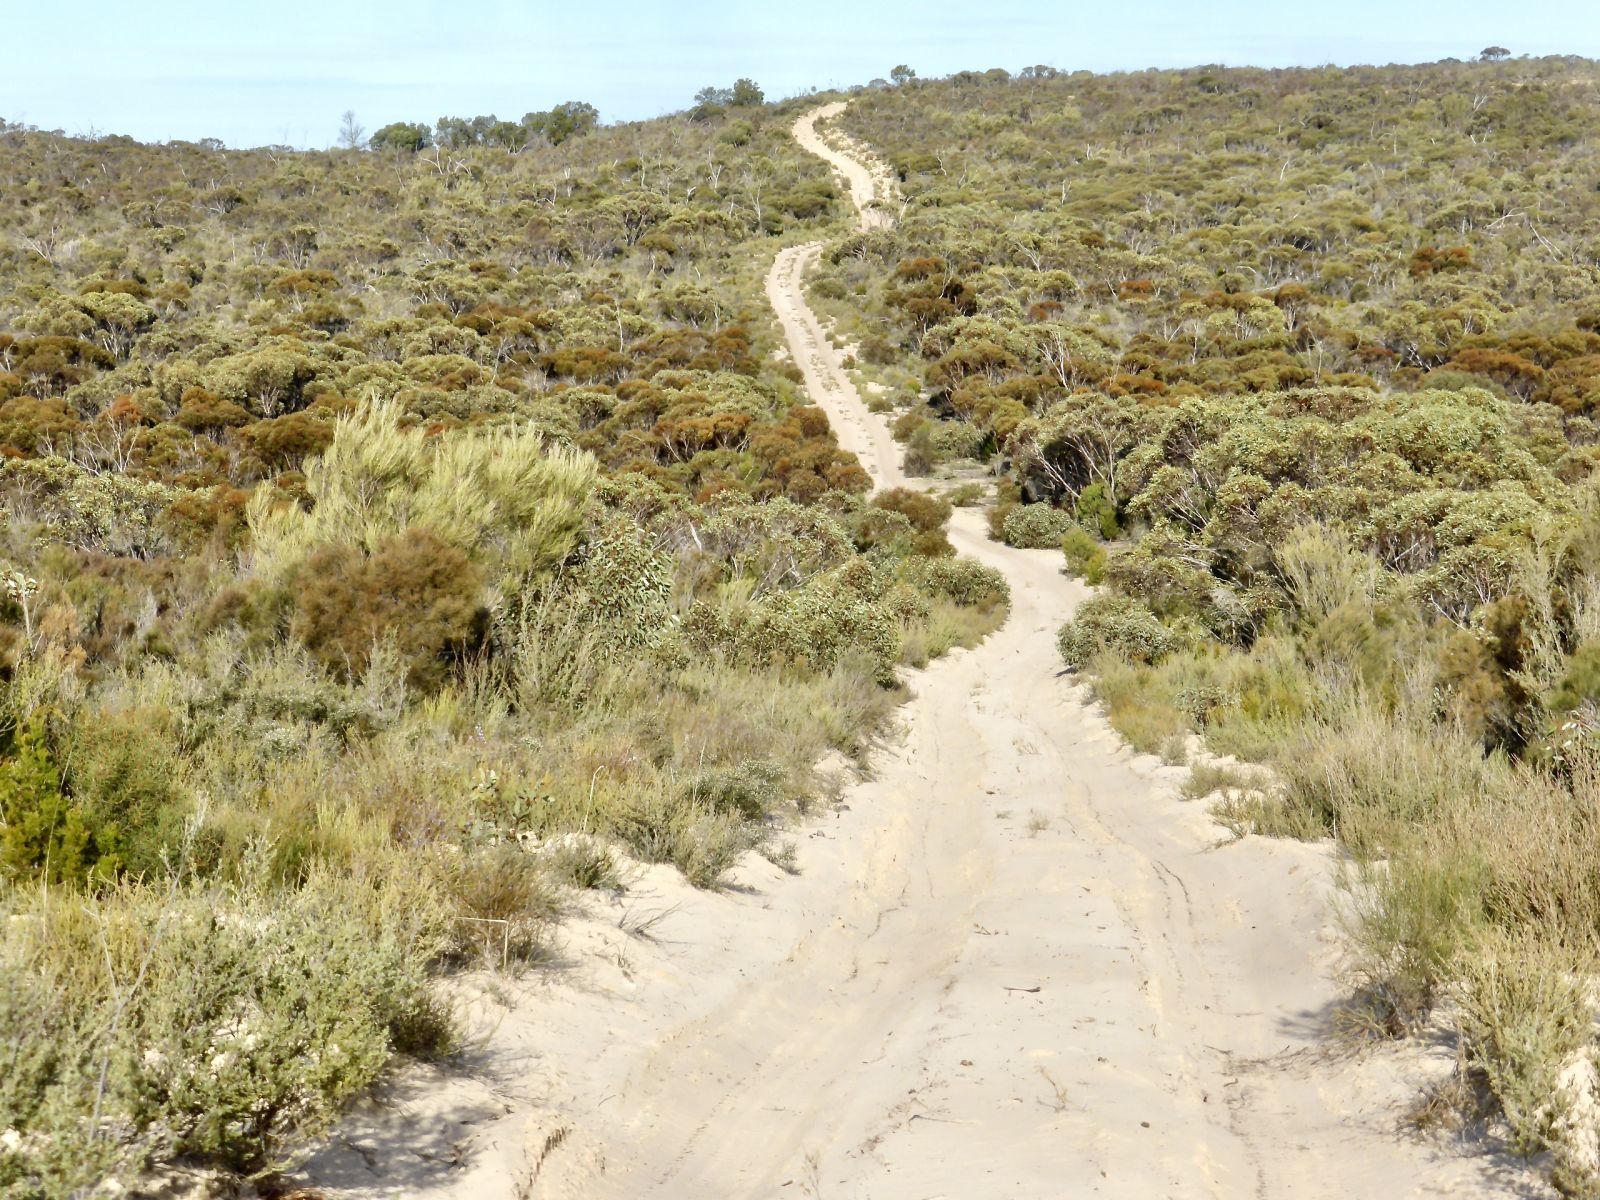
[{"x": 1052, "y": 972}]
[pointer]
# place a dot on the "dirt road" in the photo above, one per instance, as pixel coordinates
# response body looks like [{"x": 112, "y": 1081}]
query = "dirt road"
[{"x": 1015, "y": 965}]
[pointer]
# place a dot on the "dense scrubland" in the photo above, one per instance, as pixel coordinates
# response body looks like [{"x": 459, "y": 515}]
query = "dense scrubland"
[
  {"x": 1303, "y": 367},
  {"x": 396, "y": 543}
]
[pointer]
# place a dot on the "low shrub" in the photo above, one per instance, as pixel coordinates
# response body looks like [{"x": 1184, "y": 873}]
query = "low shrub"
[
  {"x": 963, "y": 581},
  {"x": 703, "y": 844},
  {"x": 1036, "y": 527},
  {"x": 1097, "y": 510},
  {"x": 44, "y": 832},
  {"x": 928, "y": 513},
  {"x": 956, "y": 439},
  {"x": 414, "y": 589},
  {"x": 126, "y": 776},
  {"x": 1085, "y": 557},
  {"x": 504, "y": 903},
  {"x": 1371, "y": 777},
  {"x": 835, "y": 614},
  {"x": 202, "y": 1024},
  {"x": 1117, "y": 626},
  {"x": 967, "y": 495},
  {"x": 753, "y": 790},
  {"x": 1525, "y": 1014}
]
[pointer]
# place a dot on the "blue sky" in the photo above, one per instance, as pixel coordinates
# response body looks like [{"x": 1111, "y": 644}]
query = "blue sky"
[{"x": 254, "y": 73}]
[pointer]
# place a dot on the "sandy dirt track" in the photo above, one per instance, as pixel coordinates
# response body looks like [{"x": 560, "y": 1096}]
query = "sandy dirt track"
[{"x": 1015, "y": 964}]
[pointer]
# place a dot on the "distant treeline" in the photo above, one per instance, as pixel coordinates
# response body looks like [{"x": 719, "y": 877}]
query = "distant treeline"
[{"x": 554, "y": 126}]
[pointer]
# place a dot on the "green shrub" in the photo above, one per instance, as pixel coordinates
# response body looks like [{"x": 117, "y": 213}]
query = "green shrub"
[
  {"x": 1085, "y": 557},
  {"x": 1580, "y": 682},
  {"x": 927, "y": 512},
  {"x": 498, "y": 494},
  {"x": 835, "y": 614},
  {"x": 125, "y": 775},
  {"x": 623, "y": 585},
  {"x": 44, "y": 833},
  {"x": 1525, "y": 1014},
  {"x": 956, "y": 439},
  {"x": 1116, "y": 625},
  {"x": 752, "y": 790},
  {"x": 203, "y": 1025},
  {"x": 964, "y": 581},
  {"x": 504, "y": 902},
  {"x": 1098, "y": 511},
  {"x": 967, "y": 495},
  {"x": 1036, "y": 527},
  {"x": 921, "y": 455}
]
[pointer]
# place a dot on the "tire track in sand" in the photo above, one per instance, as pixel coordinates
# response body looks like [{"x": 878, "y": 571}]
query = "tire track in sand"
[{"x": 1052, "y": 979}]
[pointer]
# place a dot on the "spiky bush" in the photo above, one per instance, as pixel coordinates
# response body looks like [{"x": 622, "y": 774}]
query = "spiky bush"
[{"x": 501, "y": 495}]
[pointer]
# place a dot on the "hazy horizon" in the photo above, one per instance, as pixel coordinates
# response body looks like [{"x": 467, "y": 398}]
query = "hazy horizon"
[{"x": 284, "y": 73}]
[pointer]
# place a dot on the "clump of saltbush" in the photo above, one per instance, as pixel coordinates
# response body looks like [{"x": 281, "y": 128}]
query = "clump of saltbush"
[
  {"x": 1116, "y": 625},
  {"x": 838, "y": 613},
  {"x": 197, "y": 1023},
  {"x": 962, "y": 581},
  {"x": 956, "y": 439},
  {"x": 1036, "y": 527}
]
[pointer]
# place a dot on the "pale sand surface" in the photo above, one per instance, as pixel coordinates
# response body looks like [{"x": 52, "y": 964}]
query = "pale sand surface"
[{"x": 1014, "y": 964}]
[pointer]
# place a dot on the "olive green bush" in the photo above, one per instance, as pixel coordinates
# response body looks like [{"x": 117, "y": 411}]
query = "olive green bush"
[
  {"x": 1116, "y": 625},
  {"x": 1036, "y": 527}
]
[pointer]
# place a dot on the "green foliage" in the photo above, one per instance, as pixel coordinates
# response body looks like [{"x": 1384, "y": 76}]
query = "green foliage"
[
  {"x": 1085, "y": 557},
  {"x": 1096, "y": 510},
  {"x": 567, "y": 120},
  {"x": 126, "y": 778},
  {"x": 1525, "y": 1016},
  {"x": 1036, "y": 527},
  {"x": 926, "y": 512},
  {"x": 1118, "y": 626},
  {"x": 1580, "y": 683},
  {"x": 962, "y": 581},
  {"x": 402, "y": 136},
  {"x": 834, "y": 616},
  {"x": 43, "y": 832},
  {"x": 956, "y": 439},
  {"x": 501, "y": 496},
  {"x": 222, "y": 1026}
]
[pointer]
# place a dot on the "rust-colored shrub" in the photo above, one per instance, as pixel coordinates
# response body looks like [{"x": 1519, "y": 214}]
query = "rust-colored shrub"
[
  {"x": 415, "y": 588},
  {"x": 926, "y": 513}
]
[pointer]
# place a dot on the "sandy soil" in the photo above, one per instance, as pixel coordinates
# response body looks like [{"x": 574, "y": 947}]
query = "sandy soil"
[
  {"x": 1014, "y": 964},
  {"x": 870, "y": 183}
]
